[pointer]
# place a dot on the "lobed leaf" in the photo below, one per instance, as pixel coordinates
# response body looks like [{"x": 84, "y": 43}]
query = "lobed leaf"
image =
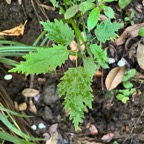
[
  {"x": 90, "y": 66},
  {"x": 76, "y": 86},
  {"x": 99, "y": 55},
  {"x": 43, "y": 60},
  {"x": 59, "y": 32},
  {"x": 106, "y": 30}
]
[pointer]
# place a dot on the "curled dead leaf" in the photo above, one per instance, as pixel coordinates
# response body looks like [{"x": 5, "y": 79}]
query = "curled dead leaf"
[
  {"x": 92, "y": 128},
  {"x": 49, "y": 8},
  {"x": 53, "y": 139},
  {"x": 114, "y": 77},
  {"x": 140, "y": 55},
  {"x": 131, "y": 31},
  {"x": 107, "y": 137},
  {"x": 16, "y": 31}
]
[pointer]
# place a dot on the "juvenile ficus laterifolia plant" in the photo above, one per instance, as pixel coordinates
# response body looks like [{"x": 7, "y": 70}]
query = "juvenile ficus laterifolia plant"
[{"x": 80, "y": 19}]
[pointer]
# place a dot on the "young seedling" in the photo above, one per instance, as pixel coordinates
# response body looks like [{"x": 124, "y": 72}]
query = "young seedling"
[
  {"x": 75, "y": 85},
  {"x": 130, "y": 18},
  {"x": 129, "y": 89}
]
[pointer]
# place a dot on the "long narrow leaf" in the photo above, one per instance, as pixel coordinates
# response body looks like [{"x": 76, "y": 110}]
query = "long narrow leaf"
[
  {"x": 13, "y": 128},
  {"x": 14, "y": 113},
  {"x": 10, "y": 138},
  {"x": 8, "y": 61},
  {"x": 10, "y": 42}
]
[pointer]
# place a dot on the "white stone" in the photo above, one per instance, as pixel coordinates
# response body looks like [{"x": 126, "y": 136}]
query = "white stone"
[
  {"x": 41, "y": 126},
  {"x": 34, "y": 127},
  {"x": 8, "y": 77}
]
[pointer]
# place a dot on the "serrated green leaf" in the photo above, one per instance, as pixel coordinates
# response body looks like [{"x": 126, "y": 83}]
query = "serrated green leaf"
[
  {"x": 85, "y": 6},
  {"x": 108, "y": 11},
  {"x": 76, "y": 86},
  {"x": 141, "y": 32},
  {"x": 99, "y": 55},
  {"x": 13, "y": 139},
  {"x": 59, "y": 32},
  {"x": 106, "y": 30},
  {"x": 93, "y": 18},
  {"x": 43, "y": 60},
  {"x": 71, "y": 11},
  {"x": 123, "y": 3},
  {"x": 90, "y": 66}
]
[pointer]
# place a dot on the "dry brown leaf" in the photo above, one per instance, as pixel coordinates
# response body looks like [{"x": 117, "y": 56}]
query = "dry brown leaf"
[
  {"x": 16, "y": 31},
  {"x": 32, "y": 107},
  {"x": 53, "y": 139},
  {"x": 107, "y": 137},
  {"x": 47, "y": 7},
  {"x": 114, "y": 77},
  {"x": 98, "y": 73},
  {"x": 139, "y": 76},
  {"x": 92, "y": 128},
  {"x": 73, "y": 47},
  {"x": 52, "y": 129},
  {"x": 140, "y": 55},
  {"x": 131, "y": 31}
]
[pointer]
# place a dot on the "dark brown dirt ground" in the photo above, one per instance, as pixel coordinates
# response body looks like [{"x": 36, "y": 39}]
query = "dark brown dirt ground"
[{"x": 126, "y": 121}]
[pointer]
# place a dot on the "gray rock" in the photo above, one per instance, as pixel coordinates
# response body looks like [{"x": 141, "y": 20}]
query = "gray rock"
[
  {"x": 47, "y": 113},
  {"x": 50, "y": 93}
]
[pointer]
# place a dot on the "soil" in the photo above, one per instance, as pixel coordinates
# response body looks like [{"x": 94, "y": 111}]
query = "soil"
[{"x": 109, "y": 115}]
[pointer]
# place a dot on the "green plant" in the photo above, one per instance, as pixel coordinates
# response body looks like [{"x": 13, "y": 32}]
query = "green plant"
[
  {"x": 123, "y": 3},
  {"x": 130, "y": 18},
  {"x": 115, "y": 142},
  {"x": 141, "y": 32},
  {"x": 129, "y": 89},
  {"x": 18, "y": 137},
  {"x": 75, "y": 85},
  {"x": 13, "y": 49}
]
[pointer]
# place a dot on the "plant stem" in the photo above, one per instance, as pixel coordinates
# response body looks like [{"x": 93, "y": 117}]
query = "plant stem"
[
  {"x": 39, "y": 38},
  {"x": 77, "y": 31}
]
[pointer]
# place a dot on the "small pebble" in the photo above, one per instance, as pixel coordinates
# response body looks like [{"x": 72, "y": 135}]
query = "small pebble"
[
  {"x": 111, "y": 60},
  {"x": 34, "y": 127},
  {"x": 121, "y": 62},
  {"x": 8, "y": 77},
  {"x": 41, "y": 126}
]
